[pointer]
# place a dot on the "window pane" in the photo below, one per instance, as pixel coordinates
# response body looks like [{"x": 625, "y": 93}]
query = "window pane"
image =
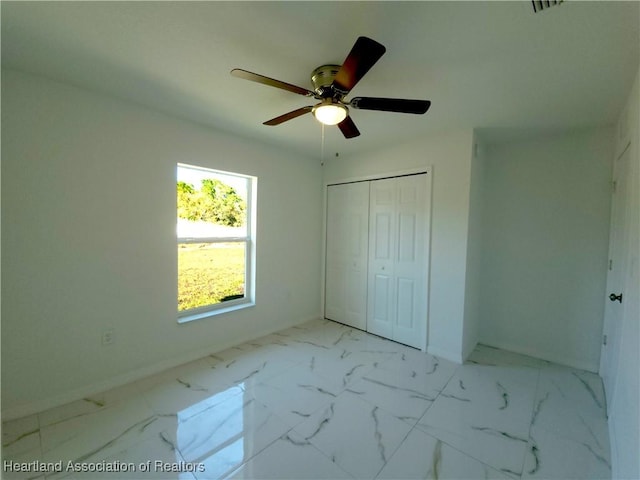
[
  {"x": 211, "y": 204},
  {"x": 210, "y": 273},
  {"x": 202, "y": 230}
]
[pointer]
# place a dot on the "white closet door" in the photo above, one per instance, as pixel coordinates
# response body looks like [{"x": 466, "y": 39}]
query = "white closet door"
[
  {"x": 347, "y": 254},
  {"x": 382, "y": 240},
  {"x": 411, "y": 261},
  {"x": 397, "y": 305}
]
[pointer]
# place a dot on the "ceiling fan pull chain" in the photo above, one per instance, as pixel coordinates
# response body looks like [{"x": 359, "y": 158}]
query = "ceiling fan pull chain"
[{"x": 322, "y": 145}]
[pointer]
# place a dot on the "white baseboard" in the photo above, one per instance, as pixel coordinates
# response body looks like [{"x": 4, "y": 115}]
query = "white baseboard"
[
  {"x": 578, "y": 363},
  {"x": 447, "y": 355},
  {"x": 467, "y": 351},
  {"x": 41, "y": 405},
  {"x": 614, "y": 449}
]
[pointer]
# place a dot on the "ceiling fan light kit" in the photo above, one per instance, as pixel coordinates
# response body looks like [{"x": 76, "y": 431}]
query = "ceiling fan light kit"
[
  {"x": 332, "y": 83},
  {"x": 329, "y": 112}
]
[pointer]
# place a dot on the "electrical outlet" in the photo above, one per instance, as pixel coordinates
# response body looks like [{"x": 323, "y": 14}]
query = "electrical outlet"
[{"x": 108, "y": 337}]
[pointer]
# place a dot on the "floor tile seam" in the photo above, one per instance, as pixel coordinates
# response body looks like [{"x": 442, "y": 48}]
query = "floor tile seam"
[
  {"x": 412, "y": 425},
  {"x": 42, "y": 427},
  {"x": 233, "y": 381},
  {"x": 531, "y": 420},
  {"x": 130, "y": 395},
  {"x": 245, "y": 460},
  {"x": 311, "y": 442},
  {"x": 98, "y": 454},
  {"x": 423, "y": 427},
  {"x": 570, "y": 407},
  {"x": 305, "y": 354},
  {"x": 38, "y": 430},
  {"x": 337, "y": 354},
  {"x": 587, "y": 449},
  {"x": 457, "y": 449},
  {"x": 105, "y": 408},
  {"x": 183, "y": 456},
  {"x": 185, "y": 419},
  {"x": 286, "y": 368},
  {"x": 292, "y": 429},
  {"x": 233, "y": 470},
  {"x": 350, "y": 383},
  {"x": 108, "y": 405},
  {"x": 285, "y": 421},
  {"x": 444, "y": 387},
  {"x": 390, "y": 357},
  {"x": 315, "y": 376},
  {"x": 566, "y": 438},
  {"x": 174, "y": 446},
  {"x": 502, "y": 425},
  {"x": 177, "y": 450},
  {"x": 300, "y": 361},
  {"x": 39, "y": 447},
  {"x": 334, "y": 463},
  {"x": 147, "y": 402},
  {"x": 276, "y": 347},
  {"x": 567, "y": 406},
  {"x": 394, "y": 452},
  {"x": 439, "y": 392},
  {"x": 257, "y": 354},
  {"x": 605, "y": 400},
  {"x": 279, "y": 417},
  {"x": 384, "y": 409},
  {"x": 467, "y": 454}
]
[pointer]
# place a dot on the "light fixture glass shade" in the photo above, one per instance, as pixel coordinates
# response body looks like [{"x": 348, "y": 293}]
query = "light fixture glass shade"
[{"x": 330, "y": 113}]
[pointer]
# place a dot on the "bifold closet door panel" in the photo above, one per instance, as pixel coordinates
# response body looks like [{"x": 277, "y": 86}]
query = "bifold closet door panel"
[
  {"x": 397, "y": 302},
  {"x": 347, "y": 254},
  {"x": 382, "y": 245},
  {"x": 410, "y": 267}
]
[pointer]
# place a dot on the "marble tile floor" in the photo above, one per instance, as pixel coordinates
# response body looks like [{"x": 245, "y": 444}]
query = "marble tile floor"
[{"x": 324, "y": 401}]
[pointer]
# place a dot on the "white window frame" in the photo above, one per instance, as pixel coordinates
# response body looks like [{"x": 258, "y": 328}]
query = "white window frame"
[{"x": 249, "y": 240}]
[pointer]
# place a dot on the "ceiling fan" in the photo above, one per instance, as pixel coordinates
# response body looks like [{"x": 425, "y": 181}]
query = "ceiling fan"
[{"x": 332, "y": 83}]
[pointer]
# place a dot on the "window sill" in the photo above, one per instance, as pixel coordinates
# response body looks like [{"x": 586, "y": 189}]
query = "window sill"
[{"x": 214, "y": 313}]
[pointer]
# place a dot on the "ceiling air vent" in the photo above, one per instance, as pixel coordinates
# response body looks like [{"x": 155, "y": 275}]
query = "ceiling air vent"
[{"x": 539, "y": 5}]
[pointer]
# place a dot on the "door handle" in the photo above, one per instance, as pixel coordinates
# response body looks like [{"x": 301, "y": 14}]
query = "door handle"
[{"x": 613, "y": 297}]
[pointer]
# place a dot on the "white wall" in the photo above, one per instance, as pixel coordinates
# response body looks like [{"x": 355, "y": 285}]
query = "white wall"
[
  {"x": 473, "y": 293},
  {"x": 624, "y": 412},
  {"x": 88, "y": 237},
  {"x": 450, "y": 156},
  {"x": 545, "y": 239}
]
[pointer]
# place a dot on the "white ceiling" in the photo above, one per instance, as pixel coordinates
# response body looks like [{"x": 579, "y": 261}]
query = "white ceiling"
[{"x": 491, "y": 65}]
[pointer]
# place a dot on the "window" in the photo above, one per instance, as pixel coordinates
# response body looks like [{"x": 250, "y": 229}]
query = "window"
[{"x": 216, "y": 246}]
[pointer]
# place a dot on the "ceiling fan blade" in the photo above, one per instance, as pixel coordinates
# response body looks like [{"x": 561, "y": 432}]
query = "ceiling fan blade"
[
  {"x": 399, "y": 105},
  {"x": 255, "y": 77},
  {"x": 348, "y": 128},
  {"x": 364, "y": 54},
  {"x": 288, "y": 116}
]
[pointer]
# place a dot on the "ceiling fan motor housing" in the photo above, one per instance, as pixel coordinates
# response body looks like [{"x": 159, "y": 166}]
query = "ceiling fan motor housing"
[{"x": 322, "y": 79}]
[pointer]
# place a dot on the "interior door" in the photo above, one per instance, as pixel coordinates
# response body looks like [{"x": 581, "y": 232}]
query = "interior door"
[
  {"x": 347, "y": 254},
  {"x": 397, "y": 305},
  {"x": 618, "y": 252}
]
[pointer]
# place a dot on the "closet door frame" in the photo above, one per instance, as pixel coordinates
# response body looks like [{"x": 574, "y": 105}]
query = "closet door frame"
[{"x": 427, "y": 244}]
